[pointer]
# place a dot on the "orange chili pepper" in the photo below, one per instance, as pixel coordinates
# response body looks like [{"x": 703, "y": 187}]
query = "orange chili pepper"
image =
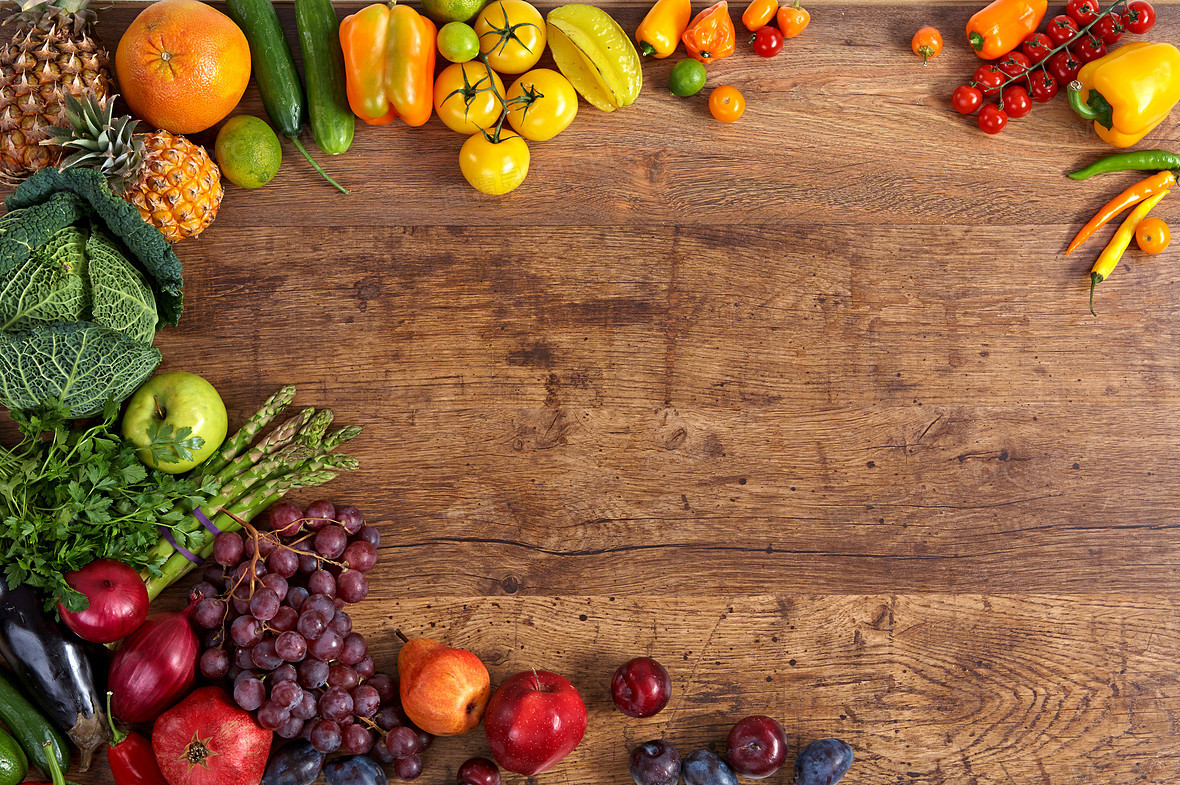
[
  {"x": 1150, "y": 186},
  {"x": 362, "y": 37},
  {"x": 997, "y": 29},
  {"x": 758, "y": 14},
  {"x": 659, "y": 32},
  {"x": 792, "y": 19},
  {"x": 410, "y": 47},
  {"x": 710, "y": 36}
]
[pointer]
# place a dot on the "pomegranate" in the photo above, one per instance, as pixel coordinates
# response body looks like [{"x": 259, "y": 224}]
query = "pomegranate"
[{"x": 207, "y": 740}]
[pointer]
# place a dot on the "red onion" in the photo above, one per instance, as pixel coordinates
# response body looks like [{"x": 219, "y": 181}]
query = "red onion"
[
  {"x": 118, "y": 601},
  {"x": 155, "y": 667}
]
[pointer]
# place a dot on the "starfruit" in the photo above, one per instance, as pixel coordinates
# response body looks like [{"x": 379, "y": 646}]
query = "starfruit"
[{"x": 594, "y": 53}]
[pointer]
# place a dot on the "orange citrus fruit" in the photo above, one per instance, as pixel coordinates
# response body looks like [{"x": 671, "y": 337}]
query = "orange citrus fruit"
[{"x": 182, "y": 65}]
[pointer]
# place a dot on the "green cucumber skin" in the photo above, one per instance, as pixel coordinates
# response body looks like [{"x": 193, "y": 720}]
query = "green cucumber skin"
[
  {"x": 14, "y": 765},
  {"x": 332, "y": 121},
  {"x": 273, "y": 63},
  {"x": 30, "y": 728}
]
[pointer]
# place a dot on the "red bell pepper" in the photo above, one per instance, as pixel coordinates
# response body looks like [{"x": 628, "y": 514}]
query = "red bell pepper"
[{"x": 132, "y": 760}]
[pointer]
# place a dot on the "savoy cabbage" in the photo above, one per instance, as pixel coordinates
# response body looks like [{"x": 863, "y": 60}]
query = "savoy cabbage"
[{"x": 51, "y": 285}]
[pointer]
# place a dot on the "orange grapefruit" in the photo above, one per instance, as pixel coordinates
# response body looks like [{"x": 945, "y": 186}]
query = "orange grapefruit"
[{"x": 182, "y": 65}]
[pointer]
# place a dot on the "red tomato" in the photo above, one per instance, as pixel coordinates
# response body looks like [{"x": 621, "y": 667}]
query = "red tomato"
[
  {"x": 1036, "y": 47},
  {"x": 1016, "y": 101},
  {"x": 1088, "y": 47},
  {"x": 992, "y": 119},
  {"x": 1044, "y": 87},
  {"x": 1061, "y": 29},
  {"x": 988, "y": 78},
  {"x": 1109, "y": 28},
  {"x": 1082, "y": 11},
  {"x": 1063, "y": 66},
  {"x": 768, "y": 41},
  {"x": 1139, "y": 17},
  {"x": 966, "y": 99},
  {"x": 1015, "y": 65}
]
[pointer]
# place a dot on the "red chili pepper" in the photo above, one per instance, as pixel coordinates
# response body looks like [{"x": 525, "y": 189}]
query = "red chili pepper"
[{"x": 132, "y": 760}]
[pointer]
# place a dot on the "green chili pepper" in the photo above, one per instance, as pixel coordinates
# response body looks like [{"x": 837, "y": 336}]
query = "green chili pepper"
[{"x": 1142, "y": 160}]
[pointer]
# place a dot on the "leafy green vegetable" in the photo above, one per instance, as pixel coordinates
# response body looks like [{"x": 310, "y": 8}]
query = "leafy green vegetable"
[
  {"x": 69, "y": 496},
  {"x": 81, "y": 363},
  {"x": 23, "y": 230},
  {"x": 152, "y": 252},
  {"x": 120, "y": 297},
  {"x": 51, "y": 286},
  {"x": 168, "y": 446}
]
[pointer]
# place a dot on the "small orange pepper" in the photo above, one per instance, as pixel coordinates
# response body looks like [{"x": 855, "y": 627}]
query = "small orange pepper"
[
  {"x": 659, "y": 32},
  {"x": 997, "y": 29},
  {"x": 792, "y": 19},
  {"x": 710, "y": 36},
  {"x": 758, "y": 14}
]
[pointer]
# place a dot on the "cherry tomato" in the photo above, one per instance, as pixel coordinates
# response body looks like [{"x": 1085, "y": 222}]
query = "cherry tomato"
[
  {"x": 988, "y": 78},
  {"x": 1016, "y": 101},
  {"x": 511, "y": 35},
  {"x": 1063, "y": 66},
  {"x": 541, "y": 104},
  {"x": 494, "y": 167},
  {"x": 727, "y": 104},
  {"x": 1152, "y": 235},
  {"x": 1139, "y": 17},
  {"x": 1044, "y": 87},
  {"x": 1109, "y": 28},
  {"x": 1015, "y": 65},
  {"x": 966, "y": 99},
  {"x": 1082, "y": 11},
  {"x": 992, "y": 119},
  {"x": 1088, "y": 47},
  {"x": 1061, "y": 29},
  {"x": 926, "y": 43},
  {"x": 1036, "y": 47},
  {"x": 768, "y": 41}
]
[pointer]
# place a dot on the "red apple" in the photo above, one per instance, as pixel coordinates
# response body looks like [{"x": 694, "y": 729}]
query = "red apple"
[
  {"x": 444, "y": 691},
  {"x": 118, "y": 601},
  {"x": 534, "y": 719}
]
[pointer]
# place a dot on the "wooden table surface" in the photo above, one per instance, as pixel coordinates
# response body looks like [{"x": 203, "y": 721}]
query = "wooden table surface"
[{"x": 809, "y": 407}]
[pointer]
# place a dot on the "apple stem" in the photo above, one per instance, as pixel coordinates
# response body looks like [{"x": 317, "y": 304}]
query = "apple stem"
[
  {"x": 156, "y": 403},
  {"x": 401, "y": 635}
]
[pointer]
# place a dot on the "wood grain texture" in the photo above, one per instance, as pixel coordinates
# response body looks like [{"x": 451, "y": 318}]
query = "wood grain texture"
[{"x": 810, "y": 408}]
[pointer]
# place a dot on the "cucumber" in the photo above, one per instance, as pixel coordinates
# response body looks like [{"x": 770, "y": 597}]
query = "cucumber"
[
  {"x": 274, "y": 66},
  {"x": 30, "y": 728},
  {"x": 14, "y": 765},
  {"x": 332, "y": 120}
]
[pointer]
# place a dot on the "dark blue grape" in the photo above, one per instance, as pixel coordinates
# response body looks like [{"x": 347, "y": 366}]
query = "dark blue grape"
[
  {"x": 655, "y": 763},
  {"x": 298, "y": 763},
  {"x": 823, "y": 762},
  {"x": 354, "y": 770},
  {"x": 702, "y": 767}
]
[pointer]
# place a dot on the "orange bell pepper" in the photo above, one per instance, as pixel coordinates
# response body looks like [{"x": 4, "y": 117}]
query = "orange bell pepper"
[
  {"x": 710, "y": 36},
  {"x": 660, "y": 31},
  {"x": 362, "y": 37},
  {"x": 997, "y": 29},
  {"x": 410, "y": 47},
  {"x": 758, "y": 14}
]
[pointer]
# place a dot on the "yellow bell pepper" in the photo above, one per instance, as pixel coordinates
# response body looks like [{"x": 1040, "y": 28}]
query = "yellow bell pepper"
[
  {"x": 1128, "y": 92},
  {"x": 659, "y": 32}
]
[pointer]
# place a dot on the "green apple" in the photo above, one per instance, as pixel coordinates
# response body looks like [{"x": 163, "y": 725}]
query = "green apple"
[{"x": 163, "y": 408}]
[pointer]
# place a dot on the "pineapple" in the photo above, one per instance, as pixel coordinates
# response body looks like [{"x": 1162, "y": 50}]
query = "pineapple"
[
  {"x": 51, "y": 55},
  {"x": 172, "y": 181}
]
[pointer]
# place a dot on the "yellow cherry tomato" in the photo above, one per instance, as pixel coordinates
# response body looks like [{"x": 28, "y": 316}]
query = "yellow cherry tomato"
[
  {"x": 541, "y": 104},
  {"x": 511, "y": 34},
  {"x": 727, "y": 104},
  {"x": 463, "y": 97},
  {"x": 1152, "y": 235},
  {"x": 494, "y": 167}
]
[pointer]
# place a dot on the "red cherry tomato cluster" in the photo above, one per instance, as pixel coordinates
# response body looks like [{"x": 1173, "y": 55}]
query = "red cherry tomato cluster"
[{"x": 1047, "y": 61}]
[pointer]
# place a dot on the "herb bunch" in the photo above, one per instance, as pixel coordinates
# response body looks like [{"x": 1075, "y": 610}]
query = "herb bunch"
[{"x": 70, "y": 495}]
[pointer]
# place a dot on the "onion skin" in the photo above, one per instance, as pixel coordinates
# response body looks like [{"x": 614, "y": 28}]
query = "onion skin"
[
  {"x": 118, "y": 601},
  {"x": 154, "y": 668}
]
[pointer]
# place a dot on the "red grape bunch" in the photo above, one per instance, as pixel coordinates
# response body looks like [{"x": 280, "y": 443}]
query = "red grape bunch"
[
  {"x": 1046, "y": 62},
  {"x": 275, "y": 625}
]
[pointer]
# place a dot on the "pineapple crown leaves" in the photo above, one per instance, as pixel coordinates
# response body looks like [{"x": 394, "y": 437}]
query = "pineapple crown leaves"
[
  {"x": 99, "y": 140},
  {"x": 48, "y": 14}
]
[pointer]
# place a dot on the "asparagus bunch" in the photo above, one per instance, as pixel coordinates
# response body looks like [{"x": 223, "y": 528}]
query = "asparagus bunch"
[{"x": 246, "y": 479}]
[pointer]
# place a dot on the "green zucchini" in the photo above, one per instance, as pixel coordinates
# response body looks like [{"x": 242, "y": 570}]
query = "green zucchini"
[
  {"x": 30, "y": 728},
  {"x": 274, "y": 66},
  {"x": 332, "y": 120},
  {"x": 14, "y": 764}
]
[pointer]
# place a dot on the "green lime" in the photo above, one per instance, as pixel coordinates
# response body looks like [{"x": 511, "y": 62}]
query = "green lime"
[
  {"x": 458, "y": 42},
  {"x": 688, "y": 77},
  {"x": 443, "y": 11},
  {"x": 248, "y": 151}
]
